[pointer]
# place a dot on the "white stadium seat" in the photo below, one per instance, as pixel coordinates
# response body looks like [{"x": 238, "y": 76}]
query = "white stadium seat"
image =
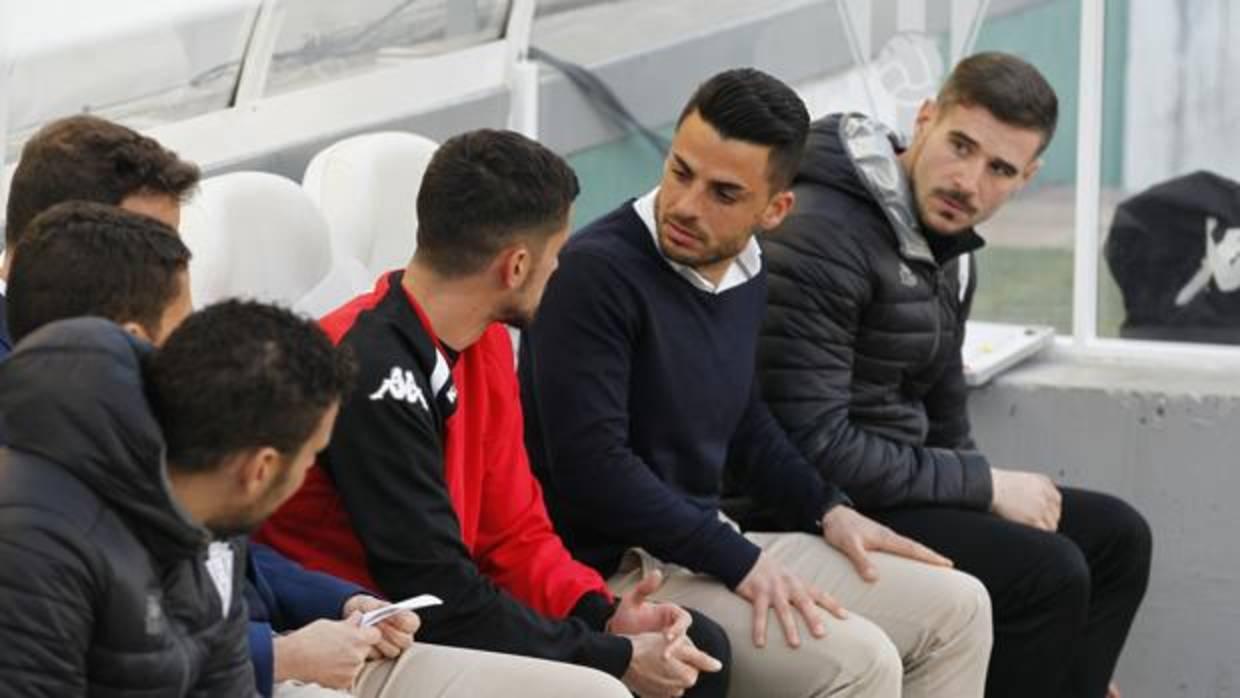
[
  {"x": 258, "y": 235},
  {"x": 367, "y": 188}
]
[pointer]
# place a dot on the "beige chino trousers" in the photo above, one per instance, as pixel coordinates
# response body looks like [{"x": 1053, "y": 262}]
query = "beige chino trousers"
[
  {"x": 919, "y": 631},
  {"x": 435, "y": 671}
]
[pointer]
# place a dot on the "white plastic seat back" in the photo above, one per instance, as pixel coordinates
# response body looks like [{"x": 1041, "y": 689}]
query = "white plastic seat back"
[
  {"x": 367, "y": 187},
  {"x": 258, "y": 235}
]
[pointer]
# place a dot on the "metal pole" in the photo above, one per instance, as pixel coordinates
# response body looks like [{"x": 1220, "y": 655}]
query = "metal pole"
[
  {"x": 256, "y": 64},
  {"x": 523, "y": 91},
  {"x": 1088, "y": 173}
]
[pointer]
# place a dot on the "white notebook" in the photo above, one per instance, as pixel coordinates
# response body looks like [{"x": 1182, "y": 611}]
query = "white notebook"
[{"x": 991, "y": 348}]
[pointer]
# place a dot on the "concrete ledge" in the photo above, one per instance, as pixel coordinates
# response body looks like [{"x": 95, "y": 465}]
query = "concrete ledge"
[{"x": 1165, "y": 437}]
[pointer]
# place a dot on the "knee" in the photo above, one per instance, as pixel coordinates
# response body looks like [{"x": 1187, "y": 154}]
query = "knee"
[
  {"x": 1064, "y": 579},
  {"x": 590, "y": 682},
  {"x": 881, "y": 665},
  {"x": 973, "y": 610},
  {"x": 1132, "y": 541}
]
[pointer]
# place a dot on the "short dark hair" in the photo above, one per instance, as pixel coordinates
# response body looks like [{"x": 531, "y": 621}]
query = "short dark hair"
[
  {"x": 92, "y": 159},
  {"x": 481, "y": 191},
  {"x": 746, "y": 104},
  {"x": 243, "y": 375},
  {"x": 80, "y": 258},
  {"x": 1006, "y": 86}
]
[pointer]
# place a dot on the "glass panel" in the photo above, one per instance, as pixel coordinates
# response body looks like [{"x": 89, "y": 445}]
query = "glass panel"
[
  {"x": 906, "y": 49},
  {"x": 1171, "y": 209},
  {"x": 134, "y": 61},
  {"x": 1025, "y": 272},
  {"x": 322, "y": 40}
]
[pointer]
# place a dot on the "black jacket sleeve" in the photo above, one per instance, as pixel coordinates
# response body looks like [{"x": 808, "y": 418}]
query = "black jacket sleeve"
[
  {"x": 582, "y": 345},
  {"x": 386, "y": 460},
  {"x": 820, "y": 286},
  {"x": 46, "y": 592},
  {"x": 775, "y": 473}
]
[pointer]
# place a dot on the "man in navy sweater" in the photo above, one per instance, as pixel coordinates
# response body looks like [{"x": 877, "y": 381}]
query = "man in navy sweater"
[{"x": 638, "y": 376}]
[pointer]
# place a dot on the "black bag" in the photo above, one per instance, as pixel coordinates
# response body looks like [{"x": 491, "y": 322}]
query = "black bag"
[{"x": 1174, "y": 250}]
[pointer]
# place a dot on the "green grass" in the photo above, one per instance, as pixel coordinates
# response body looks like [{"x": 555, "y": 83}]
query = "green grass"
[{"x": 1034, "y": 286}]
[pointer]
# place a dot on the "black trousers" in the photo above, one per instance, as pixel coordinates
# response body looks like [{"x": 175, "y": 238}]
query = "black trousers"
[
  {"x": 1063, "y": 602},
  {"x": 710, "y": 637}
]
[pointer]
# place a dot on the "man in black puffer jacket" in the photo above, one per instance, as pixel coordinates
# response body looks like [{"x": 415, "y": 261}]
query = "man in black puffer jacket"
[
  {"x": 871, "y": 279},
  {"x": 113, "y": 584},
  {"x": 106, "y": 590}
]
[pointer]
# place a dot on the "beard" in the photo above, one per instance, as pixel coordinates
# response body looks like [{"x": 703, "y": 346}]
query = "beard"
[
  {"x": 518, "y": 312},
  {"x": 245, "y": 521},
  {"x": 962, "y": 220},
  {"x": 710, "y": 254},
  {"x": 513, "y": 316},
  {"x": 235, "y": 525}
]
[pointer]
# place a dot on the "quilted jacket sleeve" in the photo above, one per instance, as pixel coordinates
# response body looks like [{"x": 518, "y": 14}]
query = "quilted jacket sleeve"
[{"x": 46, "y": 584}]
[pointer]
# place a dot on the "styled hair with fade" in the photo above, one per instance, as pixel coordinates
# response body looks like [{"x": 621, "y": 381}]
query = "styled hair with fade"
[
  {"x": 481, "y": 191},
  {"x": 1011, "y": 89},
  {"x": 749, "y": 105}
]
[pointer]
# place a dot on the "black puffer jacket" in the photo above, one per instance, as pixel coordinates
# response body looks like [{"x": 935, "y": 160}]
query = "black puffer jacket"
[
  {"x": 860, "y": 352},
  {"x": 103, "y": 586}
]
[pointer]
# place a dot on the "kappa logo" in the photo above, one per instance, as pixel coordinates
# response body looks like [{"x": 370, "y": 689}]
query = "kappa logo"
[
  {"x": 907, "y": 277},
  {"x": 401, "y": 385}
]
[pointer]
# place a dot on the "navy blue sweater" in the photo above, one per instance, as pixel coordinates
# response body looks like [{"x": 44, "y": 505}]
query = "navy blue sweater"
[
  {"x": 638, "y": 388},
  {"x": 6, "y": 345},
  {"x": 283, "y": 596}
]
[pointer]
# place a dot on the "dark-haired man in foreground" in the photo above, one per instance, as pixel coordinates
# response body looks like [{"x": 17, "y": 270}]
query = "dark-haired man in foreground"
[
  {"x": 137, "y": 275},
  {"x": 426, "y": 487},
  {"x": 117, "y": 576},
  {"x": 871, "y": 284},
  {"x": 304, "y": 641},
  {"x": 639, "y": 386}
]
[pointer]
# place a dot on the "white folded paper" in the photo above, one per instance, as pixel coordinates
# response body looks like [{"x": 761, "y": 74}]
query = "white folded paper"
[{"x": 412, "y": 604}]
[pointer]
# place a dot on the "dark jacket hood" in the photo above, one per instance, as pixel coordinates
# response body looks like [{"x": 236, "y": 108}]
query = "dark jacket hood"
[
  {"x": 860, "y": 156},
  {"x": 72, "y": 394}
]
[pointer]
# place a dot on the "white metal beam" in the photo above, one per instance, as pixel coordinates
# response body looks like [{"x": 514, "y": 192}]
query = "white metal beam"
[
  {"x": 522, "y": 72},
  {"x": 1088, "y": 173},
  {"x": 256, "y": 66}
]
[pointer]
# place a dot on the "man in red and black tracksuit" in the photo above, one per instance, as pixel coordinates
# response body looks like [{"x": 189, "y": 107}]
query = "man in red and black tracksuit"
[{"x": 426, "y": 487}]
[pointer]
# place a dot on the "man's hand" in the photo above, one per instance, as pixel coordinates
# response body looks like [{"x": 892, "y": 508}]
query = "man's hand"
[
  {"x": 636, "y": 614},
  {"x": 769, "y": 586},
  {"x": 662, "y": 669},
  {"x": 853, "y": 534},
  {"x": 397, "y": 630},
  {"x": 327, "y": 652},
  {"x": 1026, "y": 498}
]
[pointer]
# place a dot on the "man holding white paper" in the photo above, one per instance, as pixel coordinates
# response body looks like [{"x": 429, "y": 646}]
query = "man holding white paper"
[
  {"x": 427, "y": 487},
  {"x": 305, "y": 636},
  {"x": 363, "y": 646}
]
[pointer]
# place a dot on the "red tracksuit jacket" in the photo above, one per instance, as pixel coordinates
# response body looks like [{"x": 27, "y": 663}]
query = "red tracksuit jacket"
[{"x": 426, "y": 488}]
